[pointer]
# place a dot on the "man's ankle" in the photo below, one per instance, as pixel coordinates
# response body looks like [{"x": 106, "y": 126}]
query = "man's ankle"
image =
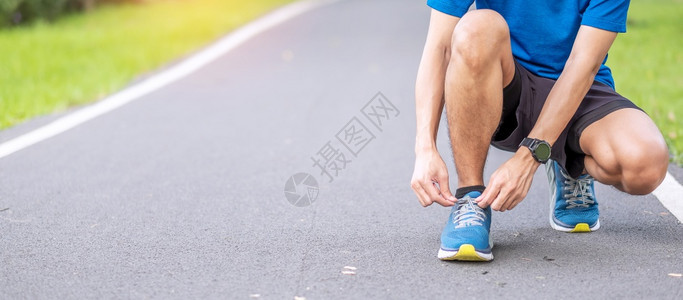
[{"x": 462, "y": 191}]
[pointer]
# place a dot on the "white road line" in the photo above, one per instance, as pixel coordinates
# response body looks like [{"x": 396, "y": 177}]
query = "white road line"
[
  {"x": 186, "y": 67},
  {"x": 670, "y": 193}
]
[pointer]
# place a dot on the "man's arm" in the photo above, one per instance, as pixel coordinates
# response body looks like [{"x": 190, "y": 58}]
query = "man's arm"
[
  {"x": 589, "y": 51},
  {"x": 510, "y": 183},
  {"x": 429, "y": 102}
]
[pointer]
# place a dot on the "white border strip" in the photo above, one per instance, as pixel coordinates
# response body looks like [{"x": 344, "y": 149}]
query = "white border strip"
[
  {"x": 186, "y": 67},
  {"x": 670, "y": 193}
]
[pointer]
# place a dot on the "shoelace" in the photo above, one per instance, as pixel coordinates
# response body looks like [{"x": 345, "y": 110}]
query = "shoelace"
[
  {"x": 468, "y": 214},
  {"x": 578, "y": 192}
]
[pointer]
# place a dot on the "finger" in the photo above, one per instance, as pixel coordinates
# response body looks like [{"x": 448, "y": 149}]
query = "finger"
[
  {"x": 444, "y": 202},
  {"x": 498, "y": 201},
  {"x": 521, "y": 194},
  {"x": 502, "y": 202},
  {"x": 492, "y": 194},
  {"x": 514, "y": 204},
  {"x": 517, "y": 200},
  {"x": 501, "y": 199},
  {"x": 482, "y": 200},
  {"x": 422, "y": 196},
  {"x": 489, "y": 193},
  {"x": 445, "y": 189},
  {"x": 484, "y": 195},
  {"x": 490, "y": 189},
  {"x": 418, "y": 192},
  {"x": 517, "y": 195},
  {"x": 436, "y": 196}
]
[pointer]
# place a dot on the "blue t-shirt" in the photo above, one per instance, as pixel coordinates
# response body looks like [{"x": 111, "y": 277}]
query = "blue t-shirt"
[{"x": 542, "y": 32}]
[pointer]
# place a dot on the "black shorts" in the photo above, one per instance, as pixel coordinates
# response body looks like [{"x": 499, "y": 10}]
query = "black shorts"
[{"x": 523, "y": 100}]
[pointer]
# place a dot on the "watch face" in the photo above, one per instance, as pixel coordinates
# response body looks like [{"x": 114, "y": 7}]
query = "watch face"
[{"x": 542, "y": 151}]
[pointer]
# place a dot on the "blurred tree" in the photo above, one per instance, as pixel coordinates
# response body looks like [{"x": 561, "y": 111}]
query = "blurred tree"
[
  {"x": 42, "y": 9},
  {"x": 13, "y": 12},
  {"x": 8, "y": 9}
]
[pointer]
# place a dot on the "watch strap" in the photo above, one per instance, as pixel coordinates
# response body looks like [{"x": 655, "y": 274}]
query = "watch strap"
[
  {"x": 533, "y": 144},
  {"x": 528, "y": 142}
]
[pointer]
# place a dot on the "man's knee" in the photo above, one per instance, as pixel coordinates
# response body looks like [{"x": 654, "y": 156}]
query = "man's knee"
[
  {"x": 478, "y": 37},
  {"x": 644, "y": 168}
]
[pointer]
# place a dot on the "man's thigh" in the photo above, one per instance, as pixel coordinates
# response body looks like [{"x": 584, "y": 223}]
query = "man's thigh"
[{"x": 624, "y": 139}]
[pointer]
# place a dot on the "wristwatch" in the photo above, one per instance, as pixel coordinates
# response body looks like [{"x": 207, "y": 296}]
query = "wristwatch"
[{"x": 540, "y": 149}]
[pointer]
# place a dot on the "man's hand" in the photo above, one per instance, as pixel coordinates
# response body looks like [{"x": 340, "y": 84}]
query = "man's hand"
[
  {"x": 510, "y": 183},
  {"x": 430, "y": 170}
]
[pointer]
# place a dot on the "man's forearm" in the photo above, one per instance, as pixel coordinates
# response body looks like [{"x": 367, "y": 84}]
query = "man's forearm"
[
  {"x": 429, "y": 86},
  {"x": 429, "y": 100},
  {"x": 590, "y": 48},
  {"x": 563, "y": 101}
]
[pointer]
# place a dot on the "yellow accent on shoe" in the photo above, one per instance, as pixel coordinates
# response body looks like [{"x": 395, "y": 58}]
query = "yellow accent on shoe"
[
  {"x": 466, "y": 252},
  {"x": 581, "y": 227}
]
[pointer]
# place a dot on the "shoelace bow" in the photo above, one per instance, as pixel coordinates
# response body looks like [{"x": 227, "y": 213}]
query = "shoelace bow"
[
  {"x": 468, "y": 214},
  {"x": 578, "y": 192}
]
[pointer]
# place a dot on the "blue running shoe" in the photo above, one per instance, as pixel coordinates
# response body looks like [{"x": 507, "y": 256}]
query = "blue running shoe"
[
  {"x": 466, "y": 236},
  {"x": 573, "y": 207}
]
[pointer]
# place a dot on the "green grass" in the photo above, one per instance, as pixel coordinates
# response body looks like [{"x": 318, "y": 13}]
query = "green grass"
[
  {"x": 46, "y": 68},
  {"x": 647, "y": 63}
]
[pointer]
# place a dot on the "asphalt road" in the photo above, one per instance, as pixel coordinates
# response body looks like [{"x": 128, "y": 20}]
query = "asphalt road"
[{"x": 181, "y": 193}]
